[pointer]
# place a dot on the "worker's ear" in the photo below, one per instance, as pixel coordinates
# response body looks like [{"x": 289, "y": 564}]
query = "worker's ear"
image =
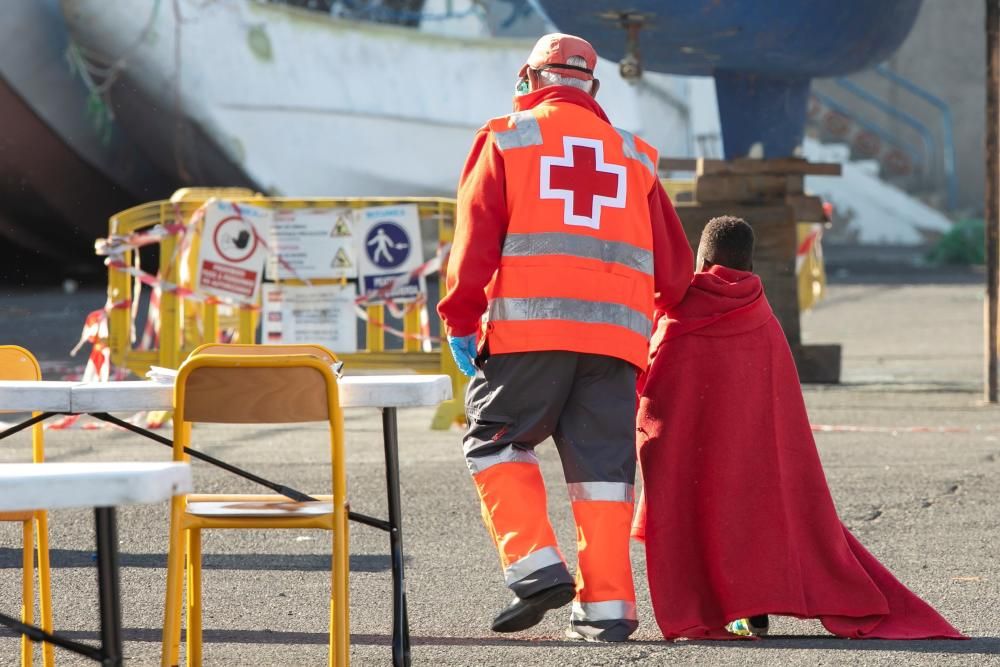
[{"x": 594, "y": 88}]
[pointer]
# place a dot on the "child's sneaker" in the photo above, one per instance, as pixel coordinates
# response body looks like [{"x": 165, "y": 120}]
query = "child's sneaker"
[
  {"x": 755, "y": 626},
  {"x": 759, "y": 625},
  {"x": 740, "y": 627}
]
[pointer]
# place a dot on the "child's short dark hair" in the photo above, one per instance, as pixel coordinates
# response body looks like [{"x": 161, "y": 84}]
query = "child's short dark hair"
[{"x": 728, "y": 241}]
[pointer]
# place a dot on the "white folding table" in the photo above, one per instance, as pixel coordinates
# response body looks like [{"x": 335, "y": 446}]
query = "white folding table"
[
  {"x": 103, "y": 486},
  {"x": 386, "y": 392}
]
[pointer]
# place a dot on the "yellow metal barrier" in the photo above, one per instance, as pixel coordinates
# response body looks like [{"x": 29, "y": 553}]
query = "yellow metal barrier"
[
  {"x": 178, "y": 335},
  {"x": 679, "y": 189},
  {"x": 810, "y": 266}
]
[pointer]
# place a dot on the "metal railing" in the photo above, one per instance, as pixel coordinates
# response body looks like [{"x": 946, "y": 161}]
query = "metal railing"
[
  {"x": 933, "y": 151},
  {"x": 870, "y": 98},
  {"x": 915, "y": 153},
  {"x": 947, "y": 128}
]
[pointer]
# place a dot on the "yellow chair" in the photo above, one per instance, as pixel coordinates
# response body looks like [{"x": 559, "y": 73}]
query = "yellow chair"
[
  {"x": 16, "y": 363},
  {"x": 247, "y": 388},
  {"x": 317, "y": 351}
]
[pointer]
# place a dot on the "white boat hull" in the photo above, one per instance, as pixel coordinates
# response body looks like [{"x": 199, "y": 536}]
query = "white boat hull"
[{"x": 302, "y": 104}]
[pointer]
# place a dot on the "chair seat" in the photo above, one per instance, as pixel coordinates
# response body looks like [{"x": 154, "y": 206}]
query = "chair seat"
[{"x": 259, "y": 509}]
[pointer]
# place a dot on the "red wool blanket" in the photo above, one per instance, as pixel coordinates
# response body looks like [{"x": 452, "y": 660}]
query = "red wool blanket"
[{"x": 737, "y": 516}]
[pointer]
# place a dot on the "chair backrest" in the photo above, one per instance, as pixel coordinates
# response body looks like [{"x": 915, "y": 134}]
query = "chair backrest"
[
  {"x": 317, "y": 351},
  {"x": 16, "y": 363},
  {"x": 258, "y": 388}
]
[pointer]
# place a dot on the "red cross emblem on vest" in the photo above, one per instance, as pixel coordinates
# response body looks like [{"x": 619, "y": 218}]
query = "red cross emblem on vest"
[{"x": 583, "y": 180}]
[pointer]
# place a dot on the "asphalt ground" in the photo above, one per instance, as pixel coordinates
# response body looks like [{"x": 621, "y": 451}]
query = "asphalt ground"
[{"x": 912, "y": 457}]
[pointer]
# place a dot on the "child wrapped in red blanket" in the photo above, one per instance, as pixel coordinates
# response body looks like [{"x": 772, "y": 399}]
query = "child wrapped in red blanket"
[{"x": 736, "y": 514}]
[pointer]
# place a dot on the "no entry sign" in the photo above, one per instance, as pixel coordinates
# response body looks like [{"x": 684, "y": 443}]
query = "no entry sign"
[{"x": 232, "y": 254}]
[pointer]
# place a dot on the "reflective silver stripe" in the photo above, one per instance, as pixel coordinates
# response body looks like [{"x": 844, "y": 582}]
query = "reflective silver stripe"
[
  {"x": 610, "y": 610},
  {"x": 630, "y": 150},
  {"x": 525, "y": 132},
  {"x": 578, "y": 245},
  {"x": 618, "y": 492},
  {"x": 574, "y": 310},
  {"x": 532, "y": 563},
  {"x": 509, "y": 454}
]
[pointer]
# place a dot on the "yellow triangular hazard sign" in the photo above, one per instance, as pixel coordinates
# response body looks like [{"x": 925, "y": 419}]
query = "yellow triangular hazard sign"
[
  {"x": 342, "y": 260},
  {"x": 342, "y": 227}
]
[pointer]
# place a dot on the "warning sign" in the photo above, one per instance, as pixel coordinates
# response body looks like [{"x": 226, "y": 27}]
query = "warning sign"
[
  {"x": 389, "y": 247},
  {"x": 232, "y": 254},
  {"x": 319, "y": 314},
  {"x": 229, "y": 279},
  {"x": 312, "y": 243},
  {"x": 343, "y": 225},
  {"x": 342, "y": 260}
]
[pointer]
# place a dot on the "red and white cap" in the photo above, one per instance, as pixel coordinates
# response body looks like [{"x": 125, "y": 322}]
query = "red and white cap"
[{"x": 553, "y": 50}]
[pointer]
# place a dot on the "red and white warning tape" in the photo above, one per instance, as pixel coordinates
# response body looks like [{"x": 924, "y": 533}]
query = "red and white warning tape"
[
  {"x": 115, "y": 247},
  {"x": 806, "y": 246},
  {"x": 98, "y": 368},
  {"x": 893, "y": 430},
  {"x": 120, "y": 244},
  {"x": 429, "y": 267}
]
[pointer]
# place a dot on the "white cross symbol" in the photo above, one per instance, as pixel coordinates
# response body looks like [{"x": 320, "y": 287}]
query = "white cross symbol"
[{"x": 579, "y": 173}]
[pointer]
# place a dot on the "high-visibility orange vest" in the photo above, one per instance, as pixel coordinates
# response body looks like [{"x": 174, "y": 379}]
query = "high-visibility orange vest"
[{"x": 577, "y": 267}]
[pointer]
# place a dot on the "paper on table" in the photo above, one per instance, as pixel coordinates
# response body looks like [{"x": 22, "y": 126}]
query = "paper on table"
[{"x": 161, "y": 375}]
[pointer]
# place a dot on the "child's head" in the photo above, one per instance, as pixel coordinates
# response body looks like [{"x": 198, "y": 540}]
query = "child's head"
[{"x": 726, "y": 241}]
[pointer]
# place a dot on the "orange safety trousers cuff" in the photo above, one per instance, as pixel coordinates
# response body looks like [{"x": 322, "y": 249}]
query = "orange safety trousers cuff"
[
  {"x": 515, "y": 512},
  {"x": 605, "y": 602}
]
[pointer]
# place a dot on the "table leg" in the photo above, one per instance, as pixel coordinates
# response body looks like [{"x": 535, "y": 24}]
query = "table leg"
[
  {"x": 27, "y": 423},
  {"x": 107, "y": 586},
  {"x": 400, "y": 622}
]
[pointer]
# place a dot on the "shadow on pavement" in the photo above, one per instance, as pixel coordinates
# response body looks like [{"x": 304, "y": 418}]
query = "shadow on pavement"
[
  {"x": 974, "y": 646},
  {"x": 62, "y": 558}
]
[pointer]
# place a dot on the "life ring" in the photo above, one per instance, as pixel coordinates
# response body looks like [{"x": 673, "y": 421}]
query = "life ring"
[
  {"x": 898, "y": 162},
  {"x": 866, "y": 144},
  {"x": 837, "y": 124}
]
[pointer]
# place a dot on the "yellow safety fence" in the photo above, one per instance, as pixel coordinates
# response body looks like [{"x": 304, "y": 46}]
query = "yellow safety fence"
[
  {"x": 809, "y": 266},
  {"x": 185, "y": 322}
]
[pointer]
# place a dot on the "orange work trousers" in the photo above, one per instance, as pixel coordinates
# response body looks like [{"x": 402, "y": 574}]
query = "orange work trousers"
[{"x": 586, "y": 403}]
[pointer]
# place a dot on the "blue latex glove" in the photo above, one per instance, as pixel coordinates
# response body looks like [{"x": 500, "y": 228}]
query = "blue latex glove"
[{"x": 463, "y": 348}]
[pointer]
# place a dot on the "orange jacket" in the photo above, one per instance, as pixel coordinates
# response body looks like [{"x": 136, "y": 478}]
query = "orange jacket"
[{"x": 564, "y": 230}]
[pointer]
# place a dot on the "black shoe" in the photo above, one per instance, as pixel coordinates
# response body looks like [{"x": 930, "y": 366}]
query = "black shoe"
[
  {"x": 524, "y": 613},
  {"x": 606, "y": 637},
  {"x": 759, "y": 625}
]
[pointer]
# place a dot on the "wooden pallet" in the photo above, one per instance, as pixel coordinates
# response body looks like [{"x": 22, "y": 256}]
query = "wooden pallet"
[{"x": 768, "y": 194}]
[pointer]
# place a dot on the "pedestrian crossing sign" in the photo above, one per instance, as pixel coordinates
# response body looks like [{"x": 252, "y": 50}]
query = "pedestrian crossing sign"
[{"x": 388, "y": 250}]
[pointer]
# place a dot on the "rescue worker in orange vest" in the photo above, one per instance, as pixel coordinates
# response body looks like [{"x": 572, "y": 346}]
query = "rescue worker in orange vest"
[{"x": 565, "y": 243}]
